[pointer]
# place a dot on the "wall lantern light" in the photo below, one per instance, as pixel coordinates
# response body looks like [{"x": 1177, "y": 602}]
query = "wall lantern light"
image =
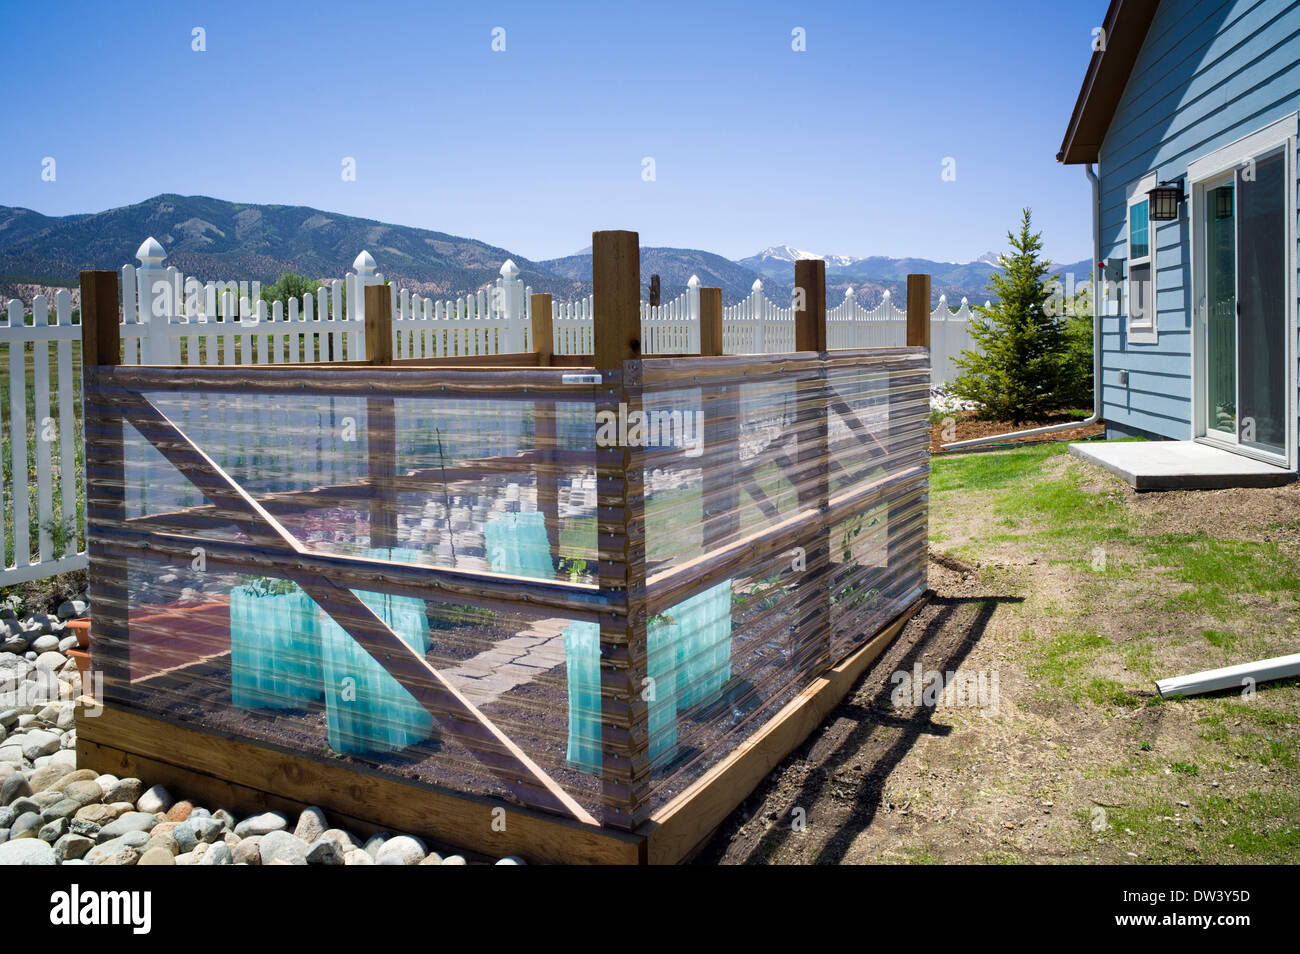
[{"x": 1164, "y": 200}]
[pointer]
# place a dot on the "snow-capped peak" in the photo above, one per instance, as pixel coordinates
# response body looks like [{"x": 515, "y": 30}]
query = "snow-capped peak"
[{"x": 788, "y": 253}]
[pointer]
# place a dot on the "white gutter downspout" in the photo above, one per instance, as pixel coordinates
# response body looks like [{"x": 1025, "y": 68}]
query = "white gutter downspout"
[
  {"x": 1096, "y": 337},
  {"x": 1229, "y": 677}
]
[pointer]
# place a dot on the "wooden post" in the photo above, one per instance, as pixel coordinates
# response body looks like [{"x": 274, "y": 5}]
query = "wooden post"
[
  {"x": 381, "y": 458},
  {"x": 810, "y": 305},
  {"x": 711, "y": 321},
  {"x": 381, "y": 421},
  {"x": 379, "y": 324},
  {"x": 542, "y": 334},
  {"x": 101, "y": 346},
  {"x": 814, "y": 634},
  {"x": 620, "y": 528},
  {"x": 918, "y": 311},
  {"x": 101, "y": 329},
  {"x": 720, "y": 439},
  {"x": 544, "y": 426},
  {"x": 616, "y": 290}
]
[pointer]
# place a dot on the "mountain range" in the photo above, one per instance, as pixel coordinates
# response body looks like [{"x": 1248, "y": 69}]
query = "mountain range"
[{"x": 216, "y": 239}]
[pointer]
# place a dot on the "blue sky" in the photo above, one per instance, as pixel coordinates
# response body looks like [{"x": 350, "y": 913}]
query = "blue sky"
[{"x": 836, "y": 149}]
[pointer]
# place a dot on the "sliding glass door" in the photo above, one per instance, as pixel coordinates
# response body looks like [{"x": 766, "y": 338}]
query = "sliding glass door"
[{"x": 1244, "y": 316}]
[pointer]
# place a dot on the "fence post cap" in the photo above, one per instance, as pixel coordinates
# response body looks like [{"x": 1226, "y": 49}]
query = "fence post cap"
[
  {"x": 964, "y": 301},
  {"x": 943, "y": 299},
  {"x": 757, "y": 286},
  {"x": 364, "y": 263},
  {"x": 150, "y": 253},
  {"x": 848, "y": 292},
  {"x": 509, "y": 270},
  {"x": 886, "y": 294},
  {"x": 693, "y": 281}
]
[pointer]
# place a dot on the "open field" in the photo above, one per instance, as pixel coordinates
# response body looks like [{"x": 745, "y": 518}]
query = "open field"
[{"x": 1077, "y": 593}]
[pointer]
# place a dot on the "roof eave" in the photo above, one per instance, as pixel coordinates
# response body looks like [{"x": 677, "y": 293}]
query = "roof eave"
[{"x": 1124, "y": 28}]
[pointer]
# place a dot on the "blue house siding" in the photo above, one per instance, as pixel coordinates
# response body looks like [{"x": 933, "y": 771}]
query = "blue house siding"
[{"x": 1209, "y": 73}]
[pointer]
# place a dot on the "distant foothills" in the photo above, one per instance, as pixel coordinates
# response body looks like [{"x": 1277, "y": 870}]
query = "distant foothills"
[{"x": 214, "y": 239}]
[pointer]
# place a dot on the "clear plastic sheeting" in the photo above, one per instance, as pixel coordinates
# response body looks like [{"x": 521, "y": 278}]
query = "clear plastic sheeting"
[{"x": 452, "y": 532}]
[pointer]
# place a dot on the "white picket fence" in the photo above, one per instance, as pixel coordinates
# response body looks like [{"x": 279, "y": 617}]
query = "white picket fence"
[
  {"x": 169, "y": 319},
  {"x": 52, "y": 434}
]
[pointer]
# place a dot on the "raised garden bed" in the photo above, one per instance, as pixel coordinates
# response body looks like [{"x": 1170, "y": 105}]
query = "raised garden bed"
[{"x": 317, "y": 583}]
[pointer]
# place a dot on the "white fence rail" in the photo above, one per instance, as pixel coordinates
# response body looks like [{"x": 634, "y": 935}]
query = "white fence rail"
[{"x": 169, "y": 319}]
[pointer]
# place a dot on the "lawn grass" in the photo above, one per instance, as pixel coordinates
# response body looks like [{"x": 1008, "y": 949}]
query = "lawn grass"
[{"x": 1211, "y": 778}]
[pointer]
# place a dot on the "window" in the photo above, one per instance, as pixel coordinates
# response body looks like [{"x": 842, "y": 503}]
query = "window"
[{"x": 1140, "y": 294}]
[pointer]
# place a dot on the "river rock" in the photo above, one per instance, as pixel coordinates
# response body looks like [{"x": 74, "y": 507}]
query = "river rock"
[
  {"x": 38, "y": 742},
  {"x": 324, "y": 851},
  {"x": 164, "y": 840},
  {"x": 374, "y": 843},
  {"x": 47, "y": 777},
  {"x": 129, "y": 822},
  {"x": 155, "y": 800},
  {"x": 72, "y": 609},
  {"x": 98, "y": 814},
  {"x": 357, "y": 856},
  {"x": 72, "y": 845},
  {"x": 311, "y": 824},
  {"x": 53, "y": 660},
  {"x": 81, "y": 826},
  {"x": 262, "y": 824},
  {"x": 248, "y": 851},
  {"x": 156, "y": 856},
  {"x": 83, "y": 793},
  {"x": 410, "y": 850},
  {"x": 27, "y": 851},
  {"x": 15, "y": 786},
  {"x": 195, "y": 831},
  {"x": 218, "y": 854},
  {"x": 26, "y": 825},
  {"x": 64, "y": 808},
  {"x": 123, "y": 850},
  {"x": 280, "y": 846},
  {"x": 76, "y": 775},
  {"x": 52, "y": 831},
  {"x": 122, "y": 790}
]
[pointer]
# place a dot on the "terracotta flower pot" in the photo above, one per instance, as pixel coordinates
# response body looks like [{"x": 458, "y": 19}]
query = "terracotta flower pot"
[
  {"x": 82, "y": 658},
  {"x": 81, "y": 627}
]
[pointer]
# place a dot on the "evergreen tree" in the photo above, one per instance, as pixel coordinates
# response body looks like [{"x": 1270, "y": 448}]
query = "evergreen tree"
[
  {"x": 1076, "y": 390},
  {"x": 1017, "y": 373}
]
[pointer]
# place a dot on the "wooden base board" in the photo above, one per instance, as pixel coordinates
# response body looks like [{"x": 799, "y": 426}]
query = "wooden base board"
[{"x": 247, "y": 778}]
